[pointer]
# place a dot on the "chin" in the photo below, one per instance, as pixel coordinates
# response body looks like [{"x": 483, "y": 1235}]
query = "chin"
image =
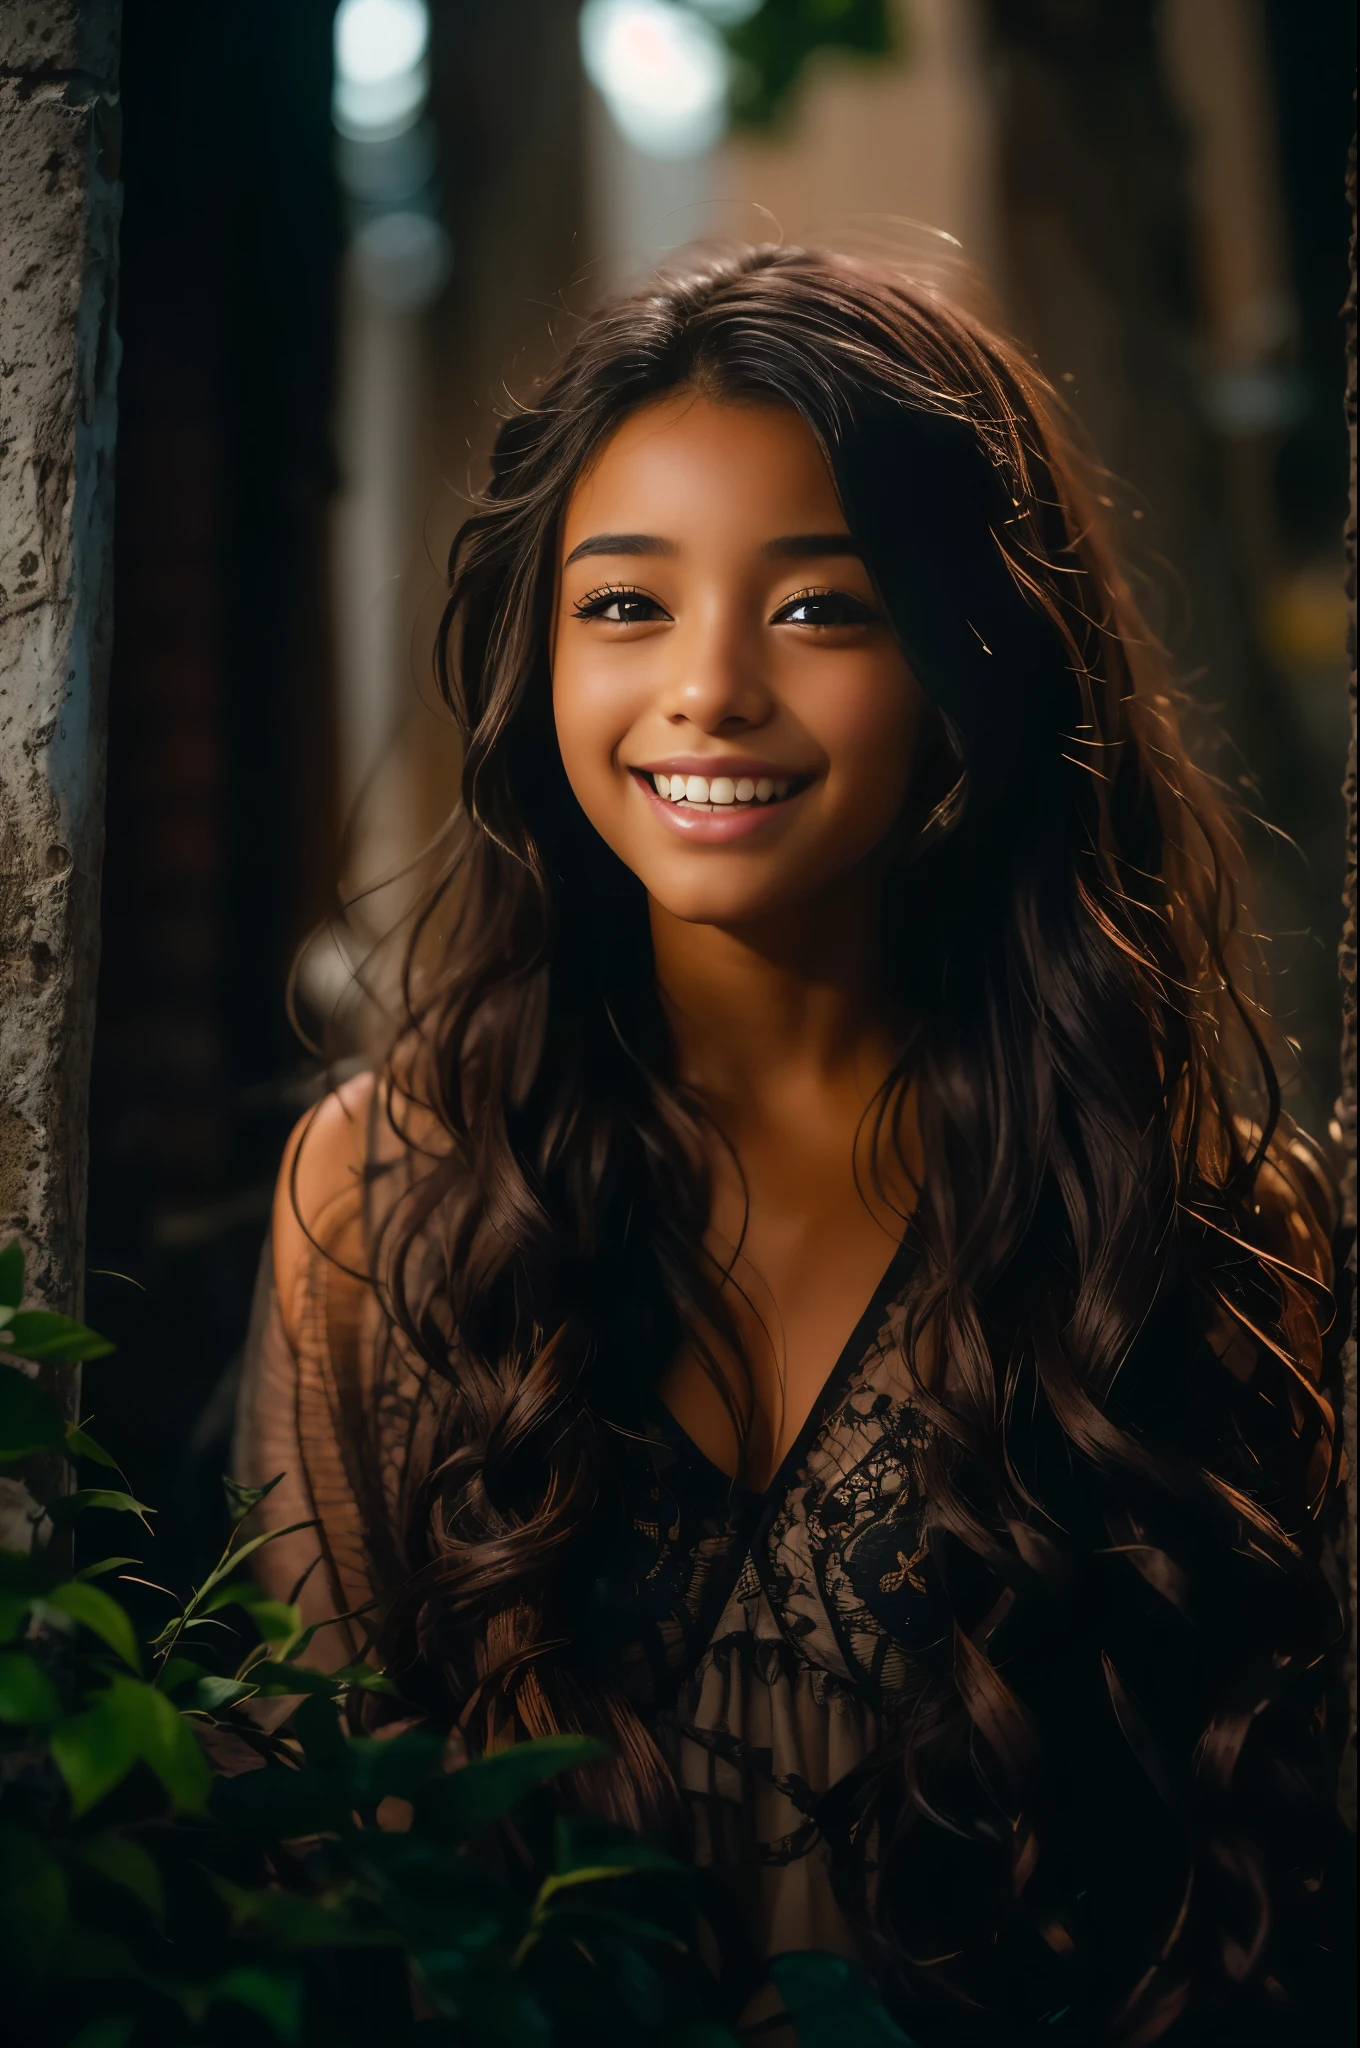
[{"x": 706, "y": 901}]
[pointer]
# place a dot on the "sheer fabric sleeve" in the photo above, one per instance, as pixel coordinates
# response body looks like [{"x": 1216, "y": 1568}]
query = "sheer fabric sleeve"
[{"x": 287, "y": 1429}]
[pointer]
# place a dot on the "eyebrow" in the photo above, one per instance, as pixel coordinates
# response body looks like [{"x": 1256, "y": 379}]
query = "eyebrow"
[
  {"x": 787, "y": 547},
  {"x": 621, "y": 544},
  {"x": 800, "y": 546}
]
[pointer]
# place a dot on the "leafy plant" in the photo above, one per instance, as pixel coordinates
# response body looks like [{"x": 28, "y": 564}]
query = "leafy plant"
[
  {"x": 771, "y": 44},
  {"x": 175, "y": 1869}
]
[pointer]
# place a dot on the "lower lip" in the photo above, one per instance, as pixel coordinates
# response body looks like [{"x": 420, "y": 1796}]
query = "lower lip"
[{"x": 717, "y": 827}]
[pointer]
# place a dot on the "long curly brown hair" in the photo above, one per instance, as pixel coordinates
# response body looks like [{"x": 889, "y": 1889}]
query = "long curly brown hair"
[{"x": 1102, "y": 1804}]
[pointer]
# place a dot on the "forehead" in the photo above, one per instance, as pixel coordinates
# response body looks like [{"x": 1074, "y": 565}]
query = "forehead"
[{"x": 686, "y": 462}]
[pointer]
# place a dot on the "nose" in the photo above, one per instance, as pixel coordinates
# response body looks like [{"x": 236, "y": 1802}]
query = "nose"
[{"x": 716, "y": 675}]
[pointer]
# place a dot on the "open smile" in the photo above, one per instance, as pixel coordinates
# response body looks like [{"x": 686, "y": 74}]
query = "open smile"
[
  {"x": 720, "y": 808},
  {"x": 722, "y": 792}
]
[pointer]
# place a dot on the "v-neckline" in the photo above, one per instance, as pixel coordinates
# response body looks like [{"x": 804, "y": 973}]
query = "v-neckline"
[{"x": 851, "y": 1355}]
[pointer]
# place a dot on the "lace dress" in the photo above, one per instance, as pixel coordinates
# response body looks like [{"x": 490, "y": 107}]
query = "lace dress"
[
  {"x": 763, "y": 1636},
  {"x": 772, "y": 1641},
  {"x": 770, "y": 1632}
]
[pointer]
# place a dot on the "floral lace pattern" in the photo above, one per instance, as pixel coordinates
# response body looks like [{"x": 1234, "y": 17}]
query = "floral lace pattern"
[{"x": 770, "y": 1635}]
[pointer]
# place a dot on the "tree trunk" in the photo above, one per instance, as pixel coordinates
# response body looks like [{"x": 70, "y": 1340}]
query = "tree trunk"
[
  {"x": 1099, "y": 239},
  {"x": 1099, "y": 244},
  {"x": 59, "y": 201}
]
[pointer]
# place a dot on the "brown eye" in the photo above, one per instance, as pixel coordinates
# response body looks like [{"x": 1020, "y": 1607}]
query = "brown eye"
[
  {"x": 824, "y": 608},
  {"x": 620, "y": 607}
]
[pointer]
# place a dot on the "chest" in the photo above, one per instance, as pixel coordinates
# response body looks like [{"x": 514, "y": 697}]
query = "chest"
[
  {"x": 802, "y": 1251},
  {"x": 830, "y": 1553}
]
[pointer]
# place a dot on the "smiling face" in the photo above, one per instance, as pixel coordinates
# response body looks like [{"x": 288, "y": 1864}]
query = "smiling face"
[{"x": 735, "y": 715}]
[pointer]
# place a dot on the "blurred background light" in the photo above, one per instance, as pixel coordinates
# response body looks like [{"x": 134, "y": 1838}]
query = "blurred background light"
[
  {"x": 1256, "y": 398},
  {"x": 386, "y": 151},
  {"x": 661, "y": 69},
  {"x": 403, "y": 259},
  {"x": 390, "y": 172},
  {"x": 397, "y": 261},
  {"x": 728, "y": 13},
  {"x": 382, "y": 78}
]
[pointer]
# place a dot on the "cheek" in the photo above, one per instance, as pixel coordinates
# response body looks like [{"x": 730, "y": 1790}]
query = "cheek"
[
  {"x": 870, "y": 725},
  {"x": 592, "y": 714}
]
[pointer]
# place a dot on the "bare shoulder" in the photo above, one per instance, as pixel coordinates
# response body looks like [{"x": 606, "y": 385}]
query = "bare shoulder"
[{"x": 315, "y": 1200}]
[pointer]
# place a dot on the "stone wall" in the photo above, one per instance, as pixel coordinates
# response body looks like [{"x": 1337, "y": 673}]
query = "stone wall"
[{"x": 59, "y": 203}]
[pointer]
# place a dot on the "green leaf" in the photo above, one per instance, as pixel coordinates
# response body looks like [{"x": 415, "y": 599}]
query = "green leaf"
[
  {"x": 397, "y": 1767},
  {"x": 171, "y": 1748},
  {"x": 303, "y": 1641},
  {"x": 210, "y": 1695},
  {"x": 563, "y": 1880},
  {"x": 72, "y": 1504},
  {"x": 29, "y": 1419},
  {"x": 231, "y": 1595},
  {"x": 299, "y": 1922},
  {"x": 94, "y": 1751},
  {"x": 130, "y": 1723},
  {"x": 242, "y": 1500},
  {"x": 57, "y": 1340},
  {"x": 362, "y": 1677},
  {"x": 32, "y": 1904},
  {"x": 11, "y": 1274},
  {"x": 27, "y": 1694},
  {"x": 81, "y": 1445},
  {"x": 99, "y": 1612},
  {"x": 179, "y": 1672},
  {"x": 242, "y": 1594},
  {"x": 233, "y": 1558},
  {"x": 277, "y": 1621},
  {"x": 104, "y": 1566},
  {"x": 276, "y": 1680},
  {"x": 468, "y": 1801},
  {"x": 772, "y": 42},
  {"x": 275, "y": 1997},
  {"x": 120, "y": 1860},
  {"x": 831, "y": 2001}
]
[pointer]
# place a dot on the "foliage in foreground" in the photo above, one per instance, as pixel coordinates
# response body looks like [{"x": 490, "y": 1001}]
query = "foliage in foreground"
[{"x": 173, "y": 1873}]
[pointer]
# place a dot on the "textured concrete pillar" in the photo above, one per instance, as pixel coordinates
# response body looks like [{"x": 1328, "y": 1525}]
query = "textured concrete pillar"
[{"x": 59, "y": 199}]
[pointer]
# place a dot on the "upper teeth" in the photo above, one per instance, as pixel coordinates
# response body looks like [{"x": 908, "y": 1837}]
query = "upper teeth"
[{"x": 697, "y": 789}]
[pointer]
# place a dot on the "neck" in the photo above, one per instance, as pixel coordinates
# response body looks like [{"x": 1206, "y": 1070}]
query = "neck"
[{"x": 797, "y": 995}]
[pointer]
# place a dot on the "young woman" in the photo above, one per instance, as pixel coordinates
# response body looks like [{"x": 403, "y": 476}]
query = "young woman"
[{"x": 821, "y": 1292}]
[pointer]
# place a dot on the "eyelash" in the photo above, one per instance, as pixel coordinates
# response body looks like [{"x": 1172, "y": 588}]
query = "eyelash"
[
  {"x": 596, "y": 602},
  {"x": 599, "y": 600},
  {"x": 862, "y": 613}
]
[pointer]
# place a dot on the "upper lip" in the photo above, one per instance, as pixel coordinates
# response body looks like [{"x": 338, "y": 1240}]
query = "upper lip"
[{"x": 712, "y": 765}]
